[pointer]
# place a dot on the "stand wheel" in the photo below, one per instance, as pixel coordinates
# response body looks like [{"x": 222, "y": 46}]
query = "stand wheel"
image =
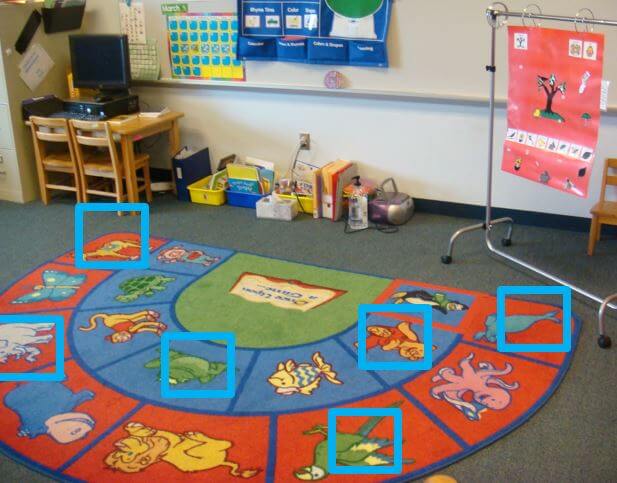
[
  {"x": 446, "y": 259},
  {"x": 604, "y": 341},
  {"x": 506, "y": 242}
]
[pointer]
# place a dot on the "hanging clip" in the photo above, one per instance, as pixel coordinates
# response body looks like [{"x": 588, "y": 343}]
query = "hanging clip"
[
  {"x": 492, "y": 14},
  {"x": 527, "y": 13},
  {"x": 583, "y": 19}
]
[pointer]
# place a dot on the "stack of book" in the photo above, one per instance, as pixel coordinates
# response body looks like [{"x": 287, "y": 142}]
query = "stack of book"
[
  {"x": 328, "y": 184},
  {"x": 254, "y": 177}
]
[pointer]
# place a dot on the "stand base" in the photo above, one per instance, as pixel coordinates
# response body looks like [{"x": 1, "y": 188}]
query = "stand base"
[
  {"x": 604, "y": 341},
  {"x": 506, "y": 242}
]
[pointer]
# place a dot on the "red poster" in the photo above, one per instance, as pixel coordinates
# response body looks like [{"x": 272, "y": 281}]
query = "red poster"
[{"x": 553, "y": 106}]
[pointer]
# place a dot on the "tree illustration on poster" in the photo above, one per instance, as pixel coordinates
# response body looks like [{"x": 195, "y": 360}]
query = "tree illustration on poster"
[{"x": 550, "y": 90}]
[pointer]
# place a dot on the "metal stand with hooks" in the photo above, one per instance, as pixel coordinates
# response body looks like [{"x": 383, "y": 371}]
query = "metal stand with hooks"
[{"x": 497, "y": 15}]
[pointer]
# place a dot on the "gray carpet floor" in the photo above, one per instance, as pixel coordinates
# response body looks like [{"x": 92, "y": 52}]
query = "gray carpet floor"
[{"x": 572, "y": 438}]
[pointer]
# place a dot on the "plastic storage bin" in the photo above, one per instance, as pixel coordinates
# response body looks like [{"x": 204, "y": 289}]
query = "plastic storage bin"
[
  {"x": 244, "y": 200},
  {"x": 272, "y": 209},
  {"x": 200, "y": 193},
  {"x": 305, "y": 203}
]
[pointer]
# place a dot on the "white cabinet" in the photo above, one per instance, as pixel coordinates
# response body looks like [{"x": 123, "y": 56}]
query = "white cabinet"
[
  {"x": 4, "y": 96},
  {"x": 20, "y": 181},
  {"x": 9, "y": 175},
  {"x": 6, "y": 136}
]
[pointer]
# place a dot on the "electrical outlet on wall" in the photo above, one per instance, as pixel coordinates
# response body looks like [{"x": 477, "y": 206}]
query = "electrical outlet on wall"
[{"x": 305, "y": 141}]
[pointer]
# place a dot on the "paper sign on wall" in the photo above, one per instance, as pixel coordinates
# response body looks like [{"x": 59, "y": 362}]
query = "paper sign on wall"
[
  {"x": 133, "y": 21},
  {"x": 553, "y": 106},
  {"x": 35, "y": 66}
]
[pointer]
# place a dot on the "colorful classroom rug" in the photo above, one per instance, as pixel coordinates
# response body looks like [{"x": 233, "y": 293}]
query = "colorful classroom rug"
[{"x": 296, "y": 357}]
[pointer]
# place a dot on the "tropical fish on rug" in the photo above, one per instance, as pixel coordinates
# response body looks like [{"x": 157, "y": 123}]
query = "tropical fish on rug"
[
  {"x": 438, "y": 301},
  {"x": 514, "y": 324},
  {"x": 180, "y": 254},
  {"x": 185, "y": 367},
  {"x": 125, "y": 326},
  {"x": 352, "y": 449},
  {"x": 113, "y": 249},
  {"x": 49, "y": 408},
  {"x": 148, "y": 285},
  {"x": 401, "y": 338},
  {"x": 487, "y": 389},
  {"x": 291, "y": 377},
  {"x": 18, "y": 340},
  {"x": 188, "y": 452},
  {"x": 57, "y": 286}
]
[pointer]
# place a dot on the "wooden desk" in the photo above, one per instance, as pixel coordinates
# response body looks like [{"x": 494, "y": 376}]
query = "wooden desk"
[
  {"x": 139, "y": 128},
  {"x": 143, "y": 127}
]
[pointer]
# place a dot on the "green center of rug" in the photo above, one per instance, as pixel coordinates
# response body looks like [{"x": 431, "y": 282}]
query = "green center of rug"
[{"x": 273, "y": 303}]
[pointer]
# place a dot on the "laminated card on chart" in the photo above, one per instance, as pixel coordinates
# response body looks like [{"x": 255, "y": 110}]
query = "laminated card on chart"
[
  {"x": 339, "y": 32},
  {"x": 553, "y": 106}
]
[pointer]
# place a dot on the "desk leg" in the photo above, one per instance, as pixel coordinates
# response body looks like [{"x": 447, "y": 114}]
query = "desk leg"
[
  {"x": 128, "y": 155},
  {"x": 174, "y": 147}
]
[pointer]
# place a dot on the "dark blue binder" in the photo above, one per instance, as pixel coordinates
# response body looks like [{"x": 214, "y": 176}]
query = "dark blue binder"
[{"x": 189, "y": 170}]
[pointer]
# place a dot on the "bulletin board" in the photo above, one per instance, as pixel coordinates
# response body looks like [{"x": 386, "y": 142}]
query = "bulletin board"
[
  {"x": 337, "y": 32},
  {"x": 434, "y": 52}
]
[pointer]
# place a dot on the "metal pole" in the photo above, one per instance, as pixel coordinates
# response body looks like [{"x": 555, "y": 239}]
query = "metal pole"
[
  {"x": 488, "y": 223},
  {"x": 491, "y": 128},
  {"x": 492, "y": 15},
  {"x": 557, "y": 18}
]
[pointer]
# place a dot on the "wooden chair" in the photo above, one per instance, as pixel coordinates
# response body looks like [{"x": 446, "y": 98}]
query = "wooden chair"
[
  {"x": 54, "y": 153},
  {"x": 97, "y": 157},
  {"x": 604, "y": 212}
]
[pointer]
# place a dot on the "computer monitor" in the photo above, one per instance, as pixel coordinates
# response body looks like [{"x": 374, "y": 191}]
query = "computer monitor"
[{"x": 101, "y": 62}]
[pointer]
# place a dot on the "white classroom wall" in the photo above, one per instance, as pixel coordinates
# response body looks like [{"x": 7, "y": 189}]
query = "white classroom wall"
[{"x": 435, "y": 150}]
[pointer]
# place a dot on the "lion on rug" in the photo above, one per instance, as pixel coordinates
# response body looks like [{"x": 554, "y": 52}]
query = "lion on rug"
[{"x": 188, "y": 452}]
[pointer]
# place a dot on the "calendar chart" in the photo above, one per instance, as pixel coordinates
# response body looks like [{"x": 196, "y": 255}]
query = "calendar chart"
[{"x": 203, "y": 46}]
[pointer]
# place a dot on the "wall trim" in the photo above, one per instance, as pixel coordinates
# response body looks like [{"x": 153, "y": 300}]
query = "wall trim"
[
  {"x": 475, "y": 212},
  {"x": 376, "y": 94},
  {"x": 522, "y": 217}
]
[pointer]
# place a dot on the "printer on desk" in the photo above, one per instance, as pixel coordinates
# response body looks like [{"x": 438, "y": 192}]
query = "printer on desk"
[{"x": 43, "y": 106}]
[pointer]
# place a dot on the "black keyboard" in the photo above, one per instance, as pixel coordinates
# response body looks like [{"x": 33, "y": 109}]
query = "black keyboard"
[{"x": 77, "y": 115}]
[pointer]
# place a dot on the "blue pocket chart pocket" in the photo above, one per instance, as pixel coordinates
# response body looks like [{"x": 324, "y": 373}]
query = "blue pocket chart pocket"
[{"x": 341, "y": 32}]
